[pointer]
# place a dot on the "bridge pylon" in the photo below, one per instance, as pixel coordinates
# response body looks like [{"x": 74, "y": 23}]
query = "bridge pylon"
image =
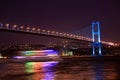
[{"x": 96, "y": 44}]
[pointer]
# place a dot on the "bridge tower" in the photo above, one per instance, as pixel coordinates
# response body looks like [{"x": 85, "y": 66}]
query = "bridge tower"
[{"x": 96, "y": 44}]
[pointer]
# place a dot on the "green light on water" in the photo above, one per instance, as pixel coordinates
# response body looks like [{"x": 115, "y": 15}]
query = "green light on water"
[{"x": 29, "y": 67}]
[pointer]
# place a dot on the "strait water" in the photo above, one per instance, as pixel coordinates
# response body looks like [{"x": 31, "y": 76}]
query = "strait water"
[{"x": 65, "y": 70}]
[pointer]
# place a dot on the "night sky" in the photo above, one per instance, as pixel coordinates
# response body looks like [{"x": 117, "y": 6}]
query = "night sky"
[{"x": 64, "y": 15}]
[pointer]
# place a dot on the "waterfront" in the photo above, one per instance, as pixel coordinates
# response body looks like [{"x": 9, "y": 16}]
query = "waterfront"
[
  {"x": 64, "y": 70},
  {"x": 59, "y": 40}
]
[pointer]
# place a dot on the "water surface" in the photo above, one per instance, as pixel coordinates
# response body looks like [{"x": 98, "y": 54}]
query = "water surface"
[{"x": 65, "y": 70}]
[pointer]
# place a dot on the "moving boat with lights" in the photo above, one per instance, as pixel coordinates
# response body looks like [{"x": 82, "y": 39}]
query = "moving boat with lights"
[{"x": 36, "y": 55}]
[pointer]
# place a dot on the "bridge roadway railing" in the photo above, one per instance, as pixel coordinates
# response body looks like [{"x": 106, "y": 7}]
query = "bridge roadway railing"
[
  {"x": 41, "y": 31},
  {"x": 38, "y": 31}
]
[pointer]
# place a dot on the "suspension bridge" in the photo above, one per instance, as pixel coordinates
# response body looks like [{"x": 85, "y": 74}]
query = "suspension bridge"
[{"x": 94, "y": 31}]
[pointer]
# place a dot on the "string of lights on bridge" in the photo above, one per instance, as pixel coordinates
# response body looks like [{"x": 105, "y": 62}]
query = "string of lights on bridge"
[{"x": 47, "y": 32}]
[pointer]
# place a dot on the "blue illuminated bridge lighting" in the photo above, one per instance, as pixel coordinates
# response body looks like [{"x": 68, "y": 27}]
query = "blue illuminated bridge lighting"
[{"x": 96, "y": 37}]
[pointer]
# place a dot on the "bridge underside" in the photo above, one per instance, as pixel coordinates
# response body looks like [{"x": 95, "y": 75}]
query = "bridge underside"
[{"x": 18, "y": 37}]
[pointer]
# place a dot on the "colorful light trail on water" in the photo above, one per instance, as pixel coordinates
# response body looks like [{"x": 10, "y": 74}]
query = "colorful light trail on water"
[{"x": 39, "y": 67}]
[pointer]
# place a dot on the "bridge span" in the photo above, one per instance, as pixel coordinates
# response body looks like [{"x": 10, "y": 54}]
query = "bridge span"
[{"x": 44, "y": 32}]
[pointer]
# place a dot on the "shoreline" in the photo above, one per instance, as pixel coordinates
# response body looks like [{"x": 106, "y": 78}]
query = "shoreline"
[
  {"x": 41, "y": 59},
  {"x": 92, "y": 58},
  {"x": 63, "y": 58}
]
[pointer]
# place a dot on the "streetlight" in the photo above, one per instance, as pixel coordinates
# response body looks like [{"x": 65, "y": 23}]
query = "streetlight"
[
  {"x": 28, "y": 28},
  {"x": 14, "y": 26},
  {"x": 7, "y": 26},
  {"x": 38, "y": 30},
  {"x": 33, "y": 29},
  {"x": 43, "y": 30},
  {"x": 53, "y": 32},
  {"x": 21, "y": 27}
]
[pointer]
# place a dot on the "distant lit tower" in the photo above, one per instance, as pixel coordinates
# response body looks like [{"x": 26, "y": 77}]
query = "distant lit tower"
[{"x": 96, "y": 38}]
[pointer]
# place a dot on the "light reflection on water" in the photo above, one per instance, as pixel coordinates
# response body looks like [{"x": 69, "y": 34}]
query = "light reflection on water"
[
  {"x": 66, "y": 70},
  {"x": 41, "y": 69}
]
